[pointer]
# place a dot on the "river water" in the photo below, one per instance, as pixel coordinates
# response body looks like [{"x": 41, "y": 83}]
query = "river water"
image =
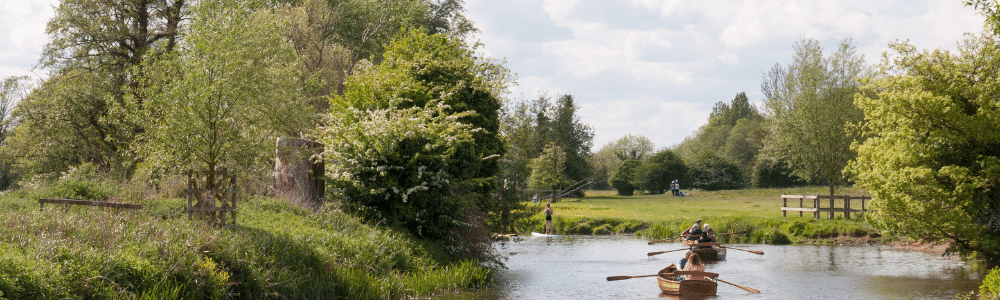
[{"x": 577, "y": 267}]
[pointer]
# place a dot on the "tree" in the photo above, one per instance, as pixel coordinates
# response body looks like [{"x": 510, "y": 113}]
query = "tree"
[
  {"x": 93, "y": 60},
  {"x": 624, "y": 178},
  {"x": 931, "y": 159},
  {"x": 13, "y": 90},
  {"x": 712, "y": 172},
  {"x": 547, "y": 171},
  {"x": 607, "y": 161},
  {"x": 439, "y": 82},
  {"x": 659, "y": 170},
  {"x": 221, "y": 102},
  {"x": 574, "y": 137},
  {"x": 810, "y": 106}
]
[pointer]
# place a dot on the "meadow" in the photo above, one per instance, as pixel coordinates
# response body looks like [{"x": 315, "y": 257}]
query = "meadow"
[{"x": 756, "y": 211}]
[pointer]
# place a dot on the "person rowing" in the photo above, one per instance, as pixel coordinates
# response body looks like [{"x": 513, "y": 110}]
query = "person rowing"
[
  {"x": 694, "y": 232},
  {"x": 708, "y": 236}
]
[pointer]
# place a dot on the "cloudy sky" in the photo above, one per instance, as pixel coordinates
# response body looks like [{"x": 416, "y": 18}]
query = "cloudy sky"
[{"x": 647, "y": 67}]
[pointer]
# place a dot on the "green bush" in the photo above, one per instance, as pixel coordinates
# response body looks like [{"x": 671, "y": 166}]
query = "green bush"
[{"x": 991, "y": 284}]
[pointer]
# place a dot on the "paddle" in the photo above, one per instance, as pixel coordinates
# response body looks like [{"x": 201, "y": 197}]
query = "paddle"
[
  {"x": 751, "y": 251},
  {"x": 663, "y": 240},
  {"x": 737, "y": 285},
  {"x": 677, "y": 237},
  {"x": 661, "y": 252},
  {"x": 613, "y": 278}
]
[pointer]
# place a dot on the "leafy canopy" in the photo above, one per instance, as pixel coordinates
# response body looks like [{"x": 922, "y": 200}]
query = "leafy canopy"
[{"x": 932, "y": 157}]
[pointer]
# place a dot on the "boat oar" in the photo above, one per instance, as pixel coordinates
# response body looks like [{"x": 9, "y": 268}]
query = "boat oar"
[
  {"x": 613, "y": 278},
  {"x": 663, "y": 240},
  {"x": 661, "y": 252},
  {"x": 737, "y": 285},
  {"x": 751, "y": 251},
  {"x": 677, "y": 237}
]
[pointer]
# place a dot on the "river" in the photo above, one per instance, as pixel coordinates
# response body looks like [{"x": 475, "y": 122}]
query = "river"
[{"x": 577, "y": 267}]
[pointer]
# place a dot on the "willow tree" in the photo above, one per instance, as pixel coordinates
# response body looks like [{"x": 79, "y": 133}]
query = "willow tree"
[
  {"x": 810, "y": 104},
  {"x": 932, "y": 157}
]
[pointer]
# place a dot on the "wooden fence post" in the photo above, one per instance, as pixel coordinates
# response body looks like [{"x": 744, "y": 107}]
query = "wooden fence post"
[{"x": 784, "y": 203}]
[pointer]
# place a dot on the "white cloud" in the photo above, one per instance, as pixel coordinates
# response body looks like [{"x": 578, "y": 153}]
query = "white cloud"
[{"x": 22, "y": 34}]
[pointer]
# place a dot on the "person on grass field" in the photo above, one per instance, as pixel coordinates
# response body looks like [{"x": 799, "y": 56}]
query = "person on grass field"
[
  {"x": 694, "y": 232},
  {"x": 548, "y": 218}
]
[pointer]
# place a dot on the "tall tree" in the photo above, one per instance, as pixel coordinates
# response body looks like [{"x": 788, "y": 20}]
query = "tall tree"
[
  {"x": 222, "y": 102},
  {"x": 573, "y": 136},
  {"x": 547, "y": 170},
  {"x": 94, "y": 60},
  {"x": 810, "y": 105},
  {"x": 607, "y": 160},
  {"x": 932, "y": 157}
]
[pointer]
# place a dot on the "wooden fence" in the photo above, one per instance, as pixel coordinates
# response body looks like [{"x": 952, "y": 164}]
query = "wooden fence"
[
  {"x": 816, "y": 208},
  {"x": 42, "y": 201},
  {"x": 213, "y": 203}
]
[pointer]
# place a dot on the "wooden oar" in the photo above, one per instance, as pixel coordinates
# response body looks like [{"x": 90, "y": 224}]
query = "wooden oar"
[
  {"x": 661, "y": 252},
  {"x": 663, "y": 240},
  {"x": 751, "y": 251},
  {"x": 737, "y": 285},
  {"x": 613, "y": 278},
  {"x": 677, "y": 237}
]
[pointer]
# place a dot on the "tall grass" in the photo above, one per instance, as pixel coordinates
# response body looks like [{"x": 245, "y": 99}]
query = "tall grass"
[{"x": 278, "y": 251}]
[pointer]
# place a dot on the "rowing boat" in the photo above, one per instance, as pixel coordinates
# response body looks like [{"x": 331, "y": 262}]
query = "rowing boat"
[
  {"x": 704, "y": 285},
  {"x": 707, "y": 251}
]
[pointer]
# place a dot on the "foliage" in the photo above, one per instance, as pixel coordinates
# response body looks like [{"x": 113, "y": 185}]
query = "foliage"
[
  {"x": 990, "y": 288},
  {"x": 625, "y": 177},
  {"x": 810, "y": 104},
  {"x": 734, "y": 131},
  {"x": 711, "y": 172},
  {"x": 547, "y": 169},
  {"x": 221, "y": 100},
  {"x": 93, "y": 61},
  {"x": 414, "y": 141},
  {"x": 607, "y": 160},
  {"x": 932, "y": 157},
  {"x": 769, "y": 173},
  {"x": 990, "y": 10},
  {"x": 280, "y": 250},
  {"x": 659, "y": 170},
  {"x": 529, "y": 126}
]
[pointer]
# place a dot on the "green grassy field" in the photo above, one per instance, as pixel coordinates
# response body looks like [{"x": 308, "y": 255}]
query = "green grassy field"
[{"x": 661, "y": 216}]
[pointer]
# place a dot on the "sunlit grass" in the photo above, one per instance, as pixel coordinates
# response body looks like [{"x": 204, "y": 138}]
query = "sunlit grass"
[
  {"x": 661, "y": 216},
  {"x": 277, "y": 250}
]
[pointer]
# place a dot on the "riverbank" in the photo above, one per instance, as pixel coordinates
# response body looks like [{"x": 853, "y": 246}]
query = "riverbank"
[
  {"x": 754, "y": 211},
  {"x": 276, "y": 250}
]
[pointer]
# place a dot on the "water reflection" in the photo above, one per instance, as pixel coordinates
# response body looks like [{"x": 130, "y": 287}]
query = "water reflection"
[{"x": 576, "y": 267}]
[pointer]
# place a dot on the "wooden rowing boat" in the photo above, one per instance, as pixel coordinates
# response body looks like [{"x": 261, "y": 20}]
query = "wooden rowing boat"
[
  {"x": 704, "y": 285},
  {"x": 707, "y": 251}
]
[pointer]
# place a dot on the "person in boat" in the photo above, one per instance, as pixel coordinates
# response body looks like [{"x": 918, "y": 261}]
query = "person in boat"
[
  {"x": 548, "y": 218},
  {"x": 694, "y": 232},
  {"x": 692, "y": 262},
  {"x": 708, "y": 236}
]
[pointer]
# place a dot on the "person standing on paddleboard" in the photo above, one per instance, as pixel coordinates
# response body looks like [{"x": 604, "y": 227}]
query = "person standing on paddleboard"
[{"x": 548, "y": 218}]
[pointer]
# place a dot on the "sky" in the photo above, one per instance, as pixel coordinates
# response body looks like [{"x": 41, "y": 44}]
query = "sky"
[{"x": 644, "y": 67}]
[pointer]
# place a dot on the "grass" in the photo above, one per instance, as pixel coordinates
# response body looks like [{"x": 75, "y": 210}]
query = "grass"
[
  {"x": 661, "y": 216},
  {"x": 277, "y": 251}
]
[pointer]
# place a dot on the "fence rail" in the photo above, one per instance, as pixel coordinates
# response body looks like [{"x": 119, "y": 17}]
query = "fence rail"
[
  {"x": 42, "y": 201},
  {"x": 817, "y": 208}
]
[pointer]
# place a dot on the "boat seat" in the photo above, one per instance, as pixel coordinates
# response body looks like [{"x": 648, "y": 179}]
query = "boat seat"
[{"x": 697, "y": 273}]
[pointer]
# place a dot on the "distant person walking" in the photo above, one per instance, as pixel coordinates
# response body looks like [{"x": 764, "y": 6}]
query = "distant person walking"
[{"x": 548, "y": 218}]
